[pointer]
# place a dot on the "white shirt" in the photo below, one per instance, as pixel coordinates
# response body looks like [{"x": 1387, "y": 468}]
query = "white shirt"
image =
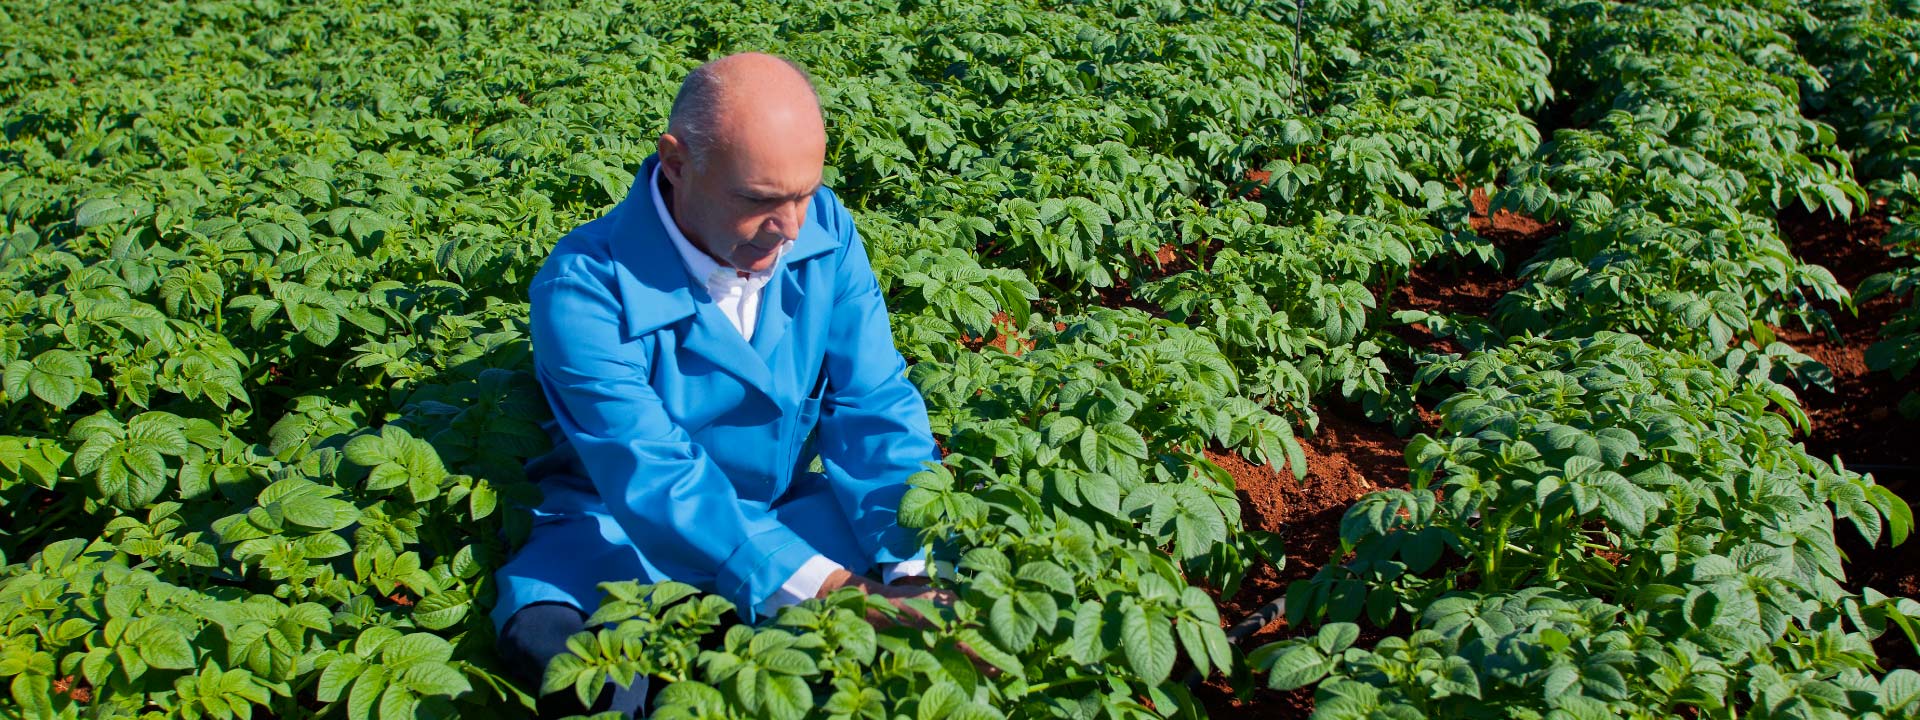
[{"x": 737, "y": 294}]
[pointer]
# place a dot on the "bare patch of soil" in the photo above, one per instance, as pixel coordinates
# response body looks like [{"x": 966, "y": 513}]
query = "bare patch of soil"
[
  {"x": 1346, "y": 458},
  {"x": 1470, "y": 288},
  {"x": 1859, "y": 422},
  {"x": 1256, "y": 180},
  {"x": 1509, "y": 230}
]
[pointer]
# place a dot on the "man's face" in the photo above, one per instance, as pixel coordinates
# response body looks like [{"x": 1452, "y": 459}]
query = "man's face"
[{"x": 752, "y": 193}]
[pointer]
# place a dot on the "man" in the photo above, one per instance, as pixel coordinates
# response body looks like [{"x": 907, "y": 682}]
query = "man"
[{"x": 690, "y": 341}]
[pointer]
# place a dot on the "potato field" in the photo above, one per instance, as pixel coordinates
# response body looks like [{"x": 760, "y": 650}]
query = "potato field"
[{"x": 1529, "y": 359}]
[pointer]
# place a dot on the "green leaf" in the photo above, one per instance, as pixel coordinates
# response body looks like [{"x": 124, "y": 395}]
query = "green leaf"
[
  {"x": 1124, "y": 439},
  {"x": 482, "y": 501},
  {"x": 414, "y": 648},
  {"x": 426, "y": 679},
  {"x": 464, "y": 565},
  {"x": 785, "y": 697},
  {"x": 1195, "y": 645},
  {"x": 991, "y": 653},
  {"x": 1087, "y": 645},
  {"x": 55, "y": 377},
  {"x": 101, "y": 211},
  {"x": 15, "y": 380},
  {"x": 788, "y": 662},
  {"x": 1146, "y": 639},
  {"x": 1102, "y": 492},
  {"x": 164, "y": 646},
  {"x": 365, "y": 695},
  {"x": 1296, "y": 666},
  {"x": 939, "y": 701},
  {"x": 1899, "y": 515},
  {"x": 308, "y": 510},
  {"x": 1014, "y": 630},
  {"x": 397, "y": 703},
  {"x": 1047, "y": 575},
  {"x": 321, "y": 546},
  {"x": 1422, "y": 549},
  {"x": 367, "y": 450},
  {"x": 337, "y": 677},
  {"x": 920, "y": 507},
  {"x": 442, "y": 610},
  {"x": 33, "y": 692},
  {"x": 1335, "y": 638},
  {"x": 692, "y": 700},
  {"x": 1900, "y": 691},
  {"x": 387, "y": 477}
]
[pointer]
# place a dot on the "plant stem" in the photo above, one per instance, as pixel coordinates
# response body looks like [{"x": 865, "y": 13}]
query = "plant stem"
[
  {"x": 1492, "y": 563},
  {"x": 1042, "y": 687}
]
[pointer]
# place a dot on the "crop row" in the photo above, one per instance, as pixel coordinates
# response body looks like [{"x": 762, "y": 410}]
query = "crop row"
[
  {"x": 1871, "y": 94},
  {"x": 1616, "y": 525}
]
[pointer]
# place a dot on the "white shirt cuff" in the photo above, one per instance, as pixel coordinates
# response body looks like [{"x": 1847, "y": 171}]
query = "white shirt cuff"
[
  {"x": 802, "y": 585},
  {"x": 915, "y": 566}
]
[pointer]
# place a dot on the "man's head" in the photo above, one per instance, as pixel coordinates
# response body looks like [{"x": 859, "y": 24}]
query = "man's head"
[{"x": 743, "y": 149}]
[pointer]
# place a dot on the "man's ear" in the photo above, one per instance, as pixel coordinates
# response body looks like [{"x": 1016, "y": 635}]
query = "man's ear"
[{"x": 673, "y": 157}]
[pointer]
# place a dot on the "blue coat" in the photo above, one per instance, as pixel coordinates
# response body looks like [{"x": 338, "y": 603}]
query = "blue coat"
[{"x": 683, "y": 448}]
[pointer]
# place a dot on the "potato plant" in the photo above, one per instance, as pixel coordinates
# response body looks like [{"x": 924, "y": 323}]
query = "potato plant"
[{"x": 265, "y": 410}]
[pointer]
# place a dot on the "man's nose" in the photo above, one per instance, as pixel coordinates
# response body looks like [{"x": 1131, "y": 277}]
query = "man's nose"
[{"x": 786, "y": 221}]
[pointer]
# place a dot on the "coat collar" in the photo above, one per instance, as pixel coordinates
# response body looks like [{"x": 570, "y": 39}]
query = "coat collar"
[{"x": 656, "y": 289}]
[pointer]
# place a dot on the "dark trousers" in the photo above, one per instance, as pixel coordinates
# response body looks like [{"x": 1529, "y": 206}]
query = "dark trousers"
[{"x": 534, "y": 636}]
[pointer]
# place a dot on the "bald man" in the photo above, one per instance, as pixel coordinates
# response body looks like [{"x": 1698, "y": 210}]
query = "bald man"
[{"x": 701, "y": 345}]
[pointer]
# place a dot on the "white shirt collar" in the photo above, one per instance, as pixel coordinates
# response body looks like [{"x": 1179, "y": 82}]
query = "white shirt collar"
[{"x": 701, "y": 265}]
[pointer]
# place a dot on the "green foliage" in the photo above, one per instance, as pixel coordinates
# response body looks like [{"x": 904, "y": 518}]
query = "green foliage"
[
  {"x": 1898, "y": 351},
  {"x": 1057, "y": 617},
  {"x": 1865, "y": 51},
  {"x": 1687, "y": 142},
  {"x": 263, "y": 358},
  {"x": 1635, "y": 528},
  {"x": 1607, "y": 525}
]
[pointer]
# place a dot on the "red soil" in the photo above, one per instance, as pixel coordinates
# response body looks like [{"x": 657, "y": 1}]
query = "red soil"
[
  {"x": 1257, "y": 178},
  {"x": 1860, "y": 423},
  {"x": 1470, "y": 288},
  {"x": 1509, "y": 230},
  {"x": 1346, "y": 459},
  {"x": 1171, "y": 259}
]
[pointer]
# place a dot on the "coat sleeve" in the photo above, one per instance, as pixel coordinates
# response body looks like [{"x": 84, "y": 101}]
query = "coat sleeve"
[
  {"x": 873, "y": 431},
  {"x": 674, "y": 503}
]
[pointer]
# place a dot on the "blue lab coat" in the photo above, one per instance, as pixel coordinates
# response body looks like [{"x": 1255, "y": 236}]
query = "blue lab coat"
[{"x": 682, "y": 448}]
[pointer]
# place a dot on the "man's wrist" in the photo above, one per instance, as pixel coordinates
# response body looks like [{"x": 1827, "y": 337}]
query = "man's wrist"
[
  {"x": 835, "y": 580},
  {"x": 804, "y": 583}
]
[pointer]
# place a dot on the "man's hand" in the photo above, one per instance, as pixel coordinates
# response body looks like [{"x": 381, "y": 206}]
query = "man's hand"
[
  {"x": 903, "y": 589},
  {"x": 895, "y": 594}
]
